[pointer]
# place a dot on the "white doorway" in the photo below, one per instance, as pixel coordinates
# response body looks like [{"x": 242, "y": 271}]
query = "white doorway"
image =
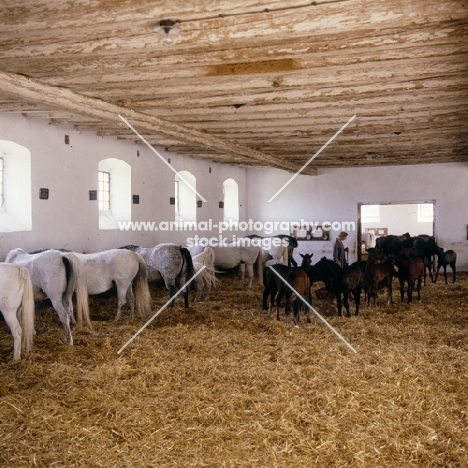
[{"x": 382, "y": 219}]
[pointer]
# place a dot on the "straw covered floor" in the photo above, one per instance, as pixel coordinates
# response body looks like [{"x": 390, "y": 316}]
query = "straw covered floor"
[{"x": 221, "y": 385}]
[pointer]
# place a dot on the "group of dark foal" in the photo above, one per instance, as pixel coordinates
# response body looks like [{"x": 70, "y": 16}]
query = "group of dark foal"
[
  {"x": 408, "y": 264},
  {"x": 283, "y": 281}
]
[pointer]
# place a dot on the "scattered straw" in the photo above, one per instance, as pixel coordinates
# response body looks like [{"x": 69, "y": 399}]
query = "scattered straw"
[{"x": 220, "y": 385}]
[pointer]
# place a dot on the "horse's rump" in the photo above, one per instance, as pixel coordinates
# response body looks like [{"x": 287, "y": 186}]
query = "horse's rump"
[
  {"x": 206, "y": 257},
  {"x": 353, "y": 275},
  {"x": 169, "y": 262},
  {"x": 17, "y": 302},
  {"x": 299, "y": 280},
  {"x": 416, "y": 268}
]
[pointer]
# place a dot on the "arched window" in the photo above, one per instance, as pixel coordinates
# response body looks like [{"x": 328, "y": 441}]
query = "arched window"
[
  {"x": 231, "y": 200},
  {"x": 185, "y": 197},
  {"x": 114, "y": 193},
  {"x": 15, "y": 207}
]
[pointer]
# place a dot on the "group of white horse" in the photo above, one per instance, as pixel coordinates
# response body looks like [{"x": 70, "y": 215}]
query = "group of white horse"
[
  {"x": 58, "y": 274},
  {"x": 252, "y": 258}
]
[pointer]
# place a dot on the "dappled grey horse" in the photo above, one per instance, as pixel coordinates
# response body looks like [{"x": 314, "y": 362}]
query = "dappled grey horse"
[{"x": 169, "y": 262}]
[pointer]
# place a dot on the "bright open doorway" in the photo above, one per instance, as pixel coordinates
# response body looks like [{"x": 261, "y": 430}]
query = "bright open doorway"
[{"x": 382, "y": 219}]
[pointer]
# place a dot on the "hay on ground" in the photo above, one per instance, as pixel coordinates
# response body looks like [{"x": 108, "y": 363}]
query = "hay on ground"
[{"x": 220, "y": 385}]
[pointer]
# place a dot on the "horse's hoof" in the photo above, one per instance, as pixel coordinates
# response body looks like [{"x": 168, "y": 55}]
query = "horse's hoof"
[{"x": 66, "y": 341}]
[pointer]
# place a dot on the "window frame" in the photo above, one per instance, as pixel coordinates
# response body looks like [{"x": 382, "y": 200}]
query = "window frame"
[
  {"x": 2, "y": 183},
  {"x": 104, "y": 205},
  {"x": 176, "y": 198}
]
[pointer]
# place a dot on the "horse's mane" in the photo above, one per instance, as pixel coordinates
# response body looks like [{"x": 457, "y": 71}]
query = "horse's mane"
[
  {"x": 36, "y": 251},
  {"x": 45, "y": 249},
  {"x": 292, "y": 241},
  {"x": 325, "y": 265},
  {"x": 130, "y": 247}
]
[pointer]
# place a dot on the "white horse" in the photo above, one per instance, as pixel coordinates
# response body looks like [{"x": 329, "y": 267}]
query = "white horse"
[
  {"x": 168, "y": 262},
  {"x": 127, "y": 270},
  {"x": 17, "y": 306},
  {"x": 368, "y": 239},
  {"x": 281, "y": 253},
  {"x": 56, "y": 275},
  {"x": 206, "y": 278},
  {"x": 232, "y": 255},
  {"x": 274, "y": 255}
]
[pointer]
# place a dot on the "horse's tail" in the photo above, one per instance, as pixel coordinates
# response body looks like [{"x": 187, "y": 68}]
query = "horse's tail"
[
  {"x": 211, "y": 259},
  {"x": 141, "y": 290},
  {"x": 77, "y": 283},
  {"x": 285, "y": 255},
  {"x": 265, "y": 275},
  {"x": 27, "y": 311},
  {"x": 205, "y": 258},
  {"x": 188, "y": 263},
  {"x": 259, "y": 266},
  {"x": 209, "y": 276}
]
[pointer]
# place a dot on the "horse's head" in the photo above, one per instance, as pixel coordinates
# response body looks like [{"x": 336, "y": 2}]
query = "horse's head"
[
  {"x": 306, "y": 260},
  {"x": 376, "y": 255},
  {"x": 440, "y": 252}
]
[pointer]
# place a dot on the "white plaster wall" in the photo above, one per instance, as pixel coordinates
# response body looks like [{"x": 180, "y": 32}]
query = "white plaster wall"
[
  {"x": 334, "y": 194},
  {"x": 68, "y": 219}
]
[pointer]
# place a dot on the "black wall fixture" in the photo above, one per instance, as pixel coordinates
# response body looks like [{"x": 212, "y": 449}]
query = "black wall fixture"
[{"x": 43, "y": 193}]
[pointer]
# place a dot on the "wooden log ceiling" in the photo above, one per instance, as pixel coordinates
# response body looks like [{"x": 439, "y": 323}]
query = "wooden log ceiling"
[{"x": 248, "y": 82}]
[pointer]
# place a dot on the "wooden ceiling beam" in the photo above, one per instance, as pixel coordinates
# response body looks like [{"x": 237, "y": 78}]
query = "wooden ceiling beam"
[{"x": 32, "y": 90}]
